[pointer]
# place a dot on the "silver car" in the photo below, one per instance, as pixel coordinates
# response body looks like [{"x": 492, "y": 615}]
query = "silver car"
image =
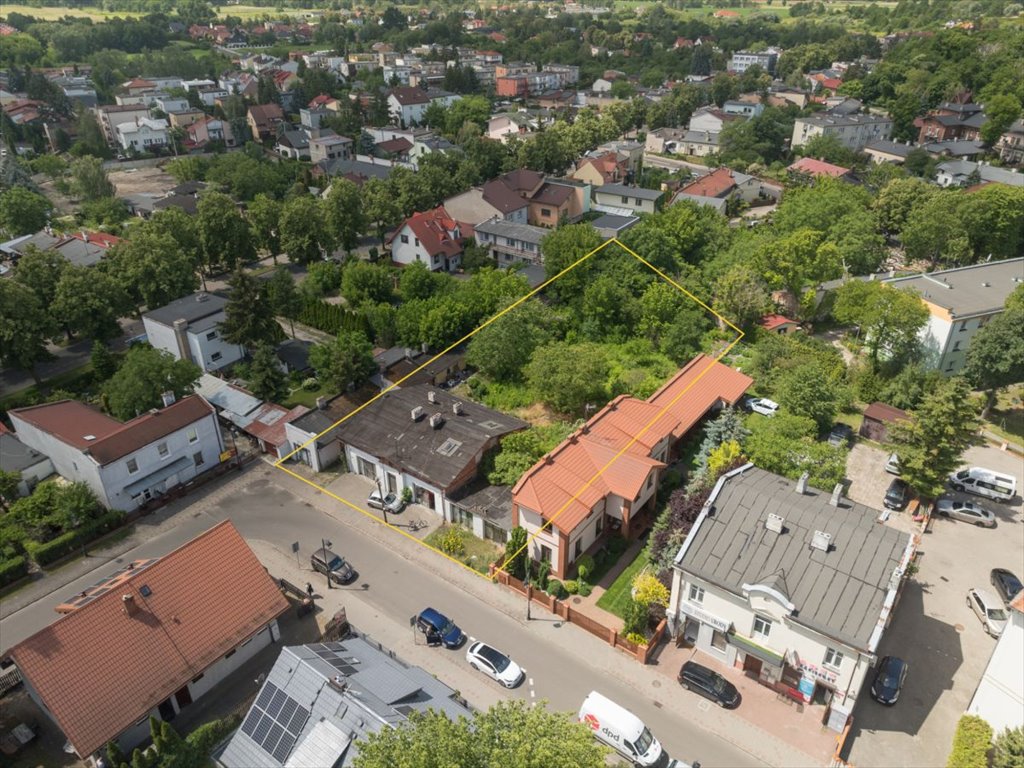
[
  {"x": 390, "y": 502},
  {"x": 965, "y": 511},
  {"x": 989, "y": 610}
]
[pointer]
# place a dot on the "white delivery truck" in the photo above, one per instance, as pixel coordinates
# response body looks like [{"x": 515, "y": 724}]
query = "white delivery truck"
[{"x": 626, "y": 733}]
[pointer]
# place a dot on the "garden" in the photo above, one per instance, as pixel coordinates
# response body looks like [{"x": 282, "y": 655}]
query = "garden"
[{"x": 461, "y": 545}]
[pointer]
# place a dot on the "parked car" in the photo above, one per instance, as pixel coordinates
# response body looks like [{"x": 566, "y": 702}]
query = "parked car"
[
  {"x": 841, "y": 434},
  {"x": 494, "y": 664},
  {"x": 325, "y": 561},
  {"x": 989, "y": 610},
  {"x": 892, "y": 464},
  {"x": 966, "y": 511},
  {"x": 897, "y": 495},
  {"x": 984, "y": 482},
  {"x": 1006, "y": 584},
  {"x": 762, "y": 405},
  {"x": 889, "y": 679},
  {"x": 439, "y": 628},
  {"x": 710, "y": 684},
  {"x": 390, "y": 502}
]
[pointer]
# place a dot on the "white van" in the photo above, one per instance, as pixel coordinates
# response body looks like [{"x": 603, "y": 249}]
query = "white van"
[
  {"x": 984, "y": 482},
  {"x": 624, "y": 732}
]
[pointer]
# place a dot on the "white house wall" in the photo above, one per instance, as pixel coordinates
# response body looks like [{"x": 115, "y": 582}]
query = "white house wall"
[
  {"x": 161, "y": 336},
  {"x": 203, "y": 350},
  {"x": 405, "y": 480},
  {"x": 69, "y": 462},
  {"x": 532, "y": 522},
  {"x": 31, "y": 476},
  {"x": 1000, "y": 695}
]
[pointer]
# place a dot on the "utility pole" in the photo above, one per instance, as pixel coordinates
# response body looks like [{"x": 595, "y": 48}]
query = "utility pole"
[
  {"x": 325, "y": 544},
  {"x": 383, "y": 503}
]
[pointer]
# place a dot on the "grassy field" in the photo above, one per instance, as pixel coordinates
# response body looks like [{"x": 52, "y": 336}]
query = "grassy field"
[
  {"x": 51, "y": 14},
  {"x": 1007, "y": 418},
  {"x": 478, "y": 554},
  {"x": 619, "y": 593}
]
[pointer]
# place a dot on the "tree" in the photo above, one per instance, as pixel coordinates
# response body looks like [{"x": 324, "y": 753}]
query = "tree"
[
  {"x": 509, "y": 734},
  {"x": 23, "y": 212},
  {"x": 145, "y": 374},
  {"x": 445, "y": 321},
  {"x": 417, "y": 281},
  {"x": 89, "y": 179},
  {"x": 741, "y": 296},
  {"x": 304, "y": 232},
  {"x": 103, "y": 363},
  {"x": 648, "y": 590},
  {"x": 898, "y": 199},
  {"x": 248, "y": 315},
  {"x": 562, "y": 249},
  {"x": 152, "y": 268},
  {"x": 935, "y": 231},
  {"x": 724, "y": 457},
  {"x": 515, "y": 551},
  {"x": 1001, "y": 111},
  {"x": 266, "y": 380},
  {"x": 786, "y": 445},
  {"x": 343, "y": 211},
  {"x": 502, "y": 349},
  {"x": 40, "y": 272},
  {"x": 380, "y": 207},
  {"x": 1009, "y": 749},
  {"x": 88, "y": 302},
  {"x": 889, "y": 319},
  {"x": 183, "y": 230},
  {"x": 265, "y": 222},
  {"x": 568, "y": 377},
  {"x": 931, "y": 443},
  {"x": 830, "y": 149},
  {"x": 223, "y": 233},
  {"x": 24, "y": 327},
  {"x": 284, "y": 298},
  {"x": 363, "y": 283},
  {"x": 344, "y": 362},
  {"x": 971, "y": 743},
  {"x": 726, "y": 427},
  {"x": 995, "y": 358},
  {"x": 799, "y": 259},
  {"x": 90, "y": 139},
  {"x": 9, "y": 482},
  {"x": 808, "y": 391}
]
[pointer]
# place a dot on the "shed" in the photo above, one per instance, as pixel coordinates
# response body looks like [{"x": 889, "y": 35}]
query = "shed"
[{"x": 878, "y": 417}]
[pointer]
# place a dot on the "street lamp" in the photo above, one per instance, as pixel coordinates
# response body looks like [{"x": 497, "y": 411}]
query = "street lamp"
[
  {"x": 383, "y": 502},
  {"x": 325, "y": 544}
]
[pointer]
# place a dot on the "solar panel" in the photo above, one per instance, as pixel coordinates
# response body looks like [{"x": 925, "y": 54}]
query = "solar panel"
[
  {"x": 287, "y": 711},
  {"x": 250, "y": 721},
  {"x": 298, "y": 720},
  {"x": 266, "y": 695},
  {"x": 280, "y": 697},
  {"x": 273, "y": 736},
  {"x": 259, "y": 734},
  {"x": 283, "y": 747},
  {"x": 275, "y": 721}
]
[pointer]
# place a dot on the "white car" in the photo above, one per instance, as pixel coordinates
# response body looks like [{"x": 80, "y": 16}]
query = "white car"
[
  {"x": 763, "y": 405},
  {"x": 989, "y": 610},
  {"x": 494, "y": 664},
  {"x": 390, "y": 502}
]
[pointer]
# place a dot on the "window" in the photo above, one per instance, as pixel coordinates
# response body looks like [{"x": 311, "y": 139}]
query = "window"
[
  {"x": 197, "y": 457},
  {"x": 545, "y": 554},
  {"x": 405, "y": 239},
  {"x": 578, "y": 549},
  {"x": 600, "y": 525},
  {"x": 193, "y": 436},
  {"x": 650, "y": 480},
  {"x": 956, "y": 346},
  {"x": 416, "y": 241},
  {"x": 963, "y": 326},
  {"x": 696, "y": 593},
  {"x": 436, "y": 259},
  {"x": 211, "y": 336},
  {"x": 833, "y": 658},
  {"x": 133, "y": 466},
  {"x": 230, "y": 653},
  {"x": 625, "y": 198},
  {"x": 718, "y": 641},
  {"x": 545, "y": 212},
  {"x": 762, "y": 627},
  {"x": 162, "y": 449},
  {"x": 215, "y": 357}
]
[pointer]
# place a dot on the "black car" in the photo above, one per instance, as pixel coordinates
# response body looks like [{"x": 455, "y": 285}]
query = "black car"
[
  {"x": 898, "y": 495},
  {"x": 1006, "y": 584},
  {"x": 325, "y": 561},
  {"x": 840, "y": 435},
  {"x": 710, "y": 684},
  {"x": 889, "y": 679}
]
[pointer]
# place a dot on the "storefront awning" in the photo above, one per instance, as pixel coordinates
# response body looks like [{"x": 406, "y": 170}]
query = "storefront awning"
[{"x": 747, "y": 645}]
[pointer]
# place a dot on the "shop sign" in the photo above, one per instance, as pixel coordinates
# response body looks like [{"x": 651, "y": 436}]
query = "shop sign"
[
  {"x": 707, "y": 618},
  {"x": 806, "y": 687},
  {"x": 819, "y": 673}
]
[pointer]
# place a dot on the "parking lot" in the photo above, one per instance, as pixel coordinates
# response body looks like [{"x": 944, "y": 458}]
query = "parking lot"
[{"x": 933, "y": 629}]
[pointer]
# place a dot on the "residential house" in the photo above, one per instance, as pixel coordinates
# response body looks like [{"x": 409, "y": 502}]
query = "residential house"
[
  {"x": 186, "y": 118},
  {"x": 878, "y": 417},
  {"x": 711, "y": 120},
  {"x": 293, "y": 354},
  {"x": 293, "y": 144},
  {"x": 264, "y": 120},
  {"x": 611, "y": 225},
  {"x": 636, "y": 199},
  {"x": 954, "y": 149},
  {"x": 741, "y": 61},
  {"x": 139, "y": 86},
  {"x": 494, "y": 199},
  {"x": 501, "y": 127},
  {"x": 808, "y": 167},
  {"x": 168, "y": 104},
  {"x": 747, "y": 109},
  {"x": 632, "y": 151},
  {"x": 509, "y": 242},
  {"x": 431, "y": 237},
  {"x": 211, "y": 95},
  {"x": 887, "y": 151},
  {"x": 145, "y": 134},
  {"x": 999, "y": 698},
  {"x": 962, "y": 173},
  {"x": 960, "y": 302},
  {"x": 334, "y": 694},
  {"x": 555, "y": 202},
  {"x": 780, "y": 96},
  {"x": 603, "y": 168},
  {"x": 128, "y": 464},
  {"x": 30, "y": 464},
  {"x": 716, "y": 203},
  {"x": 77, "y": 88},
  {"x": 1011, "y": 144},
  {"x": 724, "y": 183},
  {"x": 951, "y": 121},
  {"x": 113, "y": 115},
  {"x": 396, "y": 150},
  {"x": 791, "y": 586},
  {"x": 605, "y": 475},
  {"x": 202, "y": 132},
  {"x": 82, "y": 249},
  {"x": 407, "y": 105},
  {"x": 189, "y": 329},
  {"x": 327, "y": 145},
  {"x": 682, "y": 142},
  {"x": 853, "y": 131},
  {"x": 778, "y": 324},
  {"x": 150, "y": 640}
]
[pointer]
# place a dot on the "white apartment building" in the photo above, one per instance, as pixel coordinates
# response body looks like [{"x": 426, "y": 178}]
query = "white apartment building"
[{"x": 853, "y": 131}]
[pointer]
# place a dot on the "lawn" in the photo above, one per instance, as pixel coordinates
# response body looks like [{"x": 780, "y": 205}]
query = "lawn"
[
  {"x": 306, "y": 397},
  {"x": 619, "y": 593},
  {"x": 54, "y": 13},
  {"x": 478, "y": 553},
  {"x": 1007, "y": 418}
]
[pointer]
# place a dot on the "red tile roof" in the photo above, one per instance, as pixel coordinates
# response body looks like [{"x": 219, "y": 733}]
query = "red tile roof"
[
  {"x": 433, "y": 229},
  {"x": 883, "y": 412},
  {"x": 103, "y": 667},
  {"x": 269, "y": 422},
  {"x": 771, "y": 322},
  {"x": 814, "y": 167},
  {"x": 584, "y": 465},
  {"x": 322, "y": 100},
  {"x": 718, "y": 183}
]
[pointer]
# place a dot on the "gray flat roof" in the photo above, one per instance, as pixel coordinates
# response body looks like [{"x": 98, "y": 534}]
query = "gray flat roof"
[
  {"x": 839, "y": 593},
  {"x": 621, "y": 189},
  {"x": 15, "y": 456},
  {"x": 827, "y": 118},
  {"x": 976, "y": 290},
  {"x": 193, "y": 307},
  {"x": 611, "y": 221},
  {"x": 964, "y": 168},
  {"x": 524, "y": 232}
]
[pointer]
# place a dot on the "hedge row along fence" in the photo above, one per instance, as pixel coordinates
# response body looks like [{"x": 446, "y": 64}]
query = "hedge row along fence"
[
  {"x": 12, "y": 569},
  {"x": 47, "y": 552},
  {"x": 971, "y": 743},
  {"x": 331, "y": 318}
]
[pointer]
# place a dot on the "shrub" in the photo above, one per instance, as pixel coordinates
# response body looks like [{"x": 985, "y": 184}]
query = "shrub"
[
  {"x": 557, "y": 589},
  {"x": 12, "y": 569},
  {"x": 970, "y": 743},
  {"x": 541, "y": 581},
  {"x": 407, "y": 495},
  {"x": 451, "y": 542},
  {"x": 310, "y": 384},
  {"x": 636, "y": 638},
  {"x": 635, "y": 617},
  {"x": 648, "y": 590},
  {"x": 570, "y": 586},
  {"x": 616, "y": 545},
  {"x": 208, "y": 735},
  {"x": 1009, "y": 752},
  {"x": 56, "y": 548},
  {"x": 583, "y": 588},
  {"x": 585, "y": 566}
]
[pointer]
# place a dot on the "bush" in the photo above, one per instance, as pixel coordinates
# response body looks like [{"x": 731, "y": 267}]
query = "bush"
[
  {"x": 636, "y": 638},
  {"x": 570, "y": 586},
  {"x": 616, "y": 546},
  {"x": 635, "y": 617},
  {"x": 311, "y": 384},
  {"x": 1009, "y": 751},
  {"x": 585, "y": 566},
  {"x": 971, "y": 743},
  {"x": 209, "y": 735},
  {"x": 541, "y": 581},
  {"x": 56, "y": 548},
  {"x": 557, "y": 589},
  {"x": 451, "y": 542},
  {"x": 12, "y": 569},
  {"x": 583, "y": 588}
]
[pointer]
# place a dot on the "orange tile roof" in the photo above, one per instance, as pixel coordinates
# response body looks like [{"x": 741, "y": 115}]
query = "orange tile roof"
[
  {"x": 771, "y": 322},
  {"x": 433, "y": 228},
  {"x": 100, "y": 669},
  {"x": 715, "y": 184},
  {"x": 587, "y": 458},
  {"x": 813, "y": 167}
]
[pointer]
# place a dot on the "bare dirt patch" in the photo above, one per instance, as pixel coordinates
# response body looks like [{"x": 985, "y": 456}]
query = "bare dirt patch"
[
  {"x": 141, "y": 181},
  {"x": 537, "y": 414}
]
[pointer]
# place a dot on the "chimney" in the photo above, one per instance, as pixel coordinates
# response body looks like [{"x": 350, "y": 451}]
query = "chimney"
[
  {"x": 167, "y": 397},
  {"x": 821, "y": 541},
  {"x": 321, "y": 403},
  {"x": 774, "y": 522},
  {"x": 181, "y": 336},
  {"x": 837, "y": 494},
  {"x": 457, "y": 408},
  {"x": 129, "y": 604},
  {"x": 202, "y": 297},
  {"x": 431, "y": 396},
  {"x": 436, "y": 421},
  {"x": 416, "y": 413},
  {"x": 424, "y": 347},
  {"x": 801, "y": 484},
  {"x": 410, "y": 353}
]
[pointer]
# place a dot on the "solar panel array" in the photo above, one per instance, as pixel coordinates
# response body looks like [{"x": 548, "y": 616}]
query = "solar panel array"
[
  {"x": 329, "y": 653},
  {"x": 275, "y": 722}
]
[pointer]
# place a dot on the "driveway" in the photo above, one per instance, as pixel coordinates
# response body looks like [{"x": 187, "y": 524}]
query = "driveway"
[{"x": 938, "y": 634}]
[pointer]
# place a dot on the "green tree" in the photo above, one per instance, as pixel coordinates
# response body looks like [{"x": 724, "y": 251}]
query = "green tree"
[
  {"x": 40, "y": 272},
  {"x": 9, "y": 482},
  {"x": 547, "y": 152},
  {"x": 786, "y": 445},
  {"x": 305, "y": 236},
  {"x": 726, "y": 427},
  {"x": 994, "y": 221},
  {"x": 741, "y": 296},
  {"x": 569, "y": 377},
  {"x": 380, "y": 206},
  {"x": 266, "y": 380},
  {"x": 24, "y": 327},
  {"x": 283, "y": 296},
  {"x": 508, "y": 734},
  {"x": 502, "y": 349},
  {"x": 446, "y": 321},
  {"x": 343, "y": 211},
  {"x": 265, "y": 222},
  {"x": 609, "y": 310},
  {"x": 88, "y": 302},
  {"x": 932, "y": 442},
  {"x": 90, "y": 139},
  {"x": 935, "y": 231},
  {"x": 248, "y": 315},
  {"x": 799, "y": 259},
  {"x": 416, "y": 281},
  {"x": 515, "y": 550},
  {"x": 344, "y": 362},
  {"x": 1009, "y": 749},
  {"x": 145, "y": 374},
  {"x": 808, "y": 391},
  {"x": 1001, "y": 111},
  {"x": 104, "y": 365},
  {"x": 562, "y": 249},
  {"x": 830, "y": 149},
  {"x": 897, "y": 199},
  {"x": 889, "y": 319},
  {"x": 151, "y": 268},
  {"x": 521, "y": 450},
  {"x": 22, "y": 212},
  {"x": 995, "y": 358},
  {"x": 183, "y": 230},
  {"x": 223, "y": 233},
  {"x": 89, "y": 179},
  {"x": 363, "y": 283},
  {"x": 971, "y": 742}
]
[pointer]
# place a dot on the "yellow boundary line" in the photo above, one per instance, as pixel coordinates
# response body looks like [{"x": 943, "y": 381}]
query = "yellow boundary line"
[{"x": 280, "y": 462}]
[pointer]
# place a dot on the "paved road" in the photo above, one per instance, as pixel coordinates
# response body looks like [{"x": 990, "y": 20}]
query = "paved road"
[{"x": 564, "y": 662}]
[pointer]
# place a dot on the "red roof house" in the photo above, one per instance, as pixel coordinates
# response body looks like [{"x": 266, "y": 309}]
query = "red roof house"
[
  {"x": 808, "y": 166},
  {"x": 719, "y": 183},
  {"x": 431, "y": 237},
  {"x": 779, "y": 324}
]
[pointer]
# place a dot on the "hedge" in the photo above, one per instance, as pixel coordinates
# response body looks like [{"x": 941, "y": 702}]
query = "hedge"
[
  {"x": 47, "y": 552},
  {"x": 971, "y": 743},
  {"x": 12, "y": 569}
]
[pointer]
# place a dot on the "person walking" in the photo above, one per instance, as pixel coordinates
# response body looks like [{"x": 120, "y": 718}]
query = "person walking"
[{"x": 309, "y": 590}]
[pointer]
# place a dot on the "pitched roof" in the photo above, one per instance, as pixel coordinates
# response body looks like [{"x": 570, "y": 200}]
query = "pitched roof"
[
  {"x": 104, "y": 666},
  {"x": 771, "y": 322},
  {"x": 552, "y": 194},
  {"x": 501, "y": 196},
  {"x": 523, "y": 180},
  {"x": 266, "y": 114},
  {"x": 883, "y": 412},
  {"x": 584, "y": 465},
  {"x": 718, "y": 183},
  {"x": 105, "y": 438},
  {"x": 395, "y": 146},
  {"x": 408, "y": 96},
  {"x": 432, "y": 228},
  {"x": 814, "y": 167}
]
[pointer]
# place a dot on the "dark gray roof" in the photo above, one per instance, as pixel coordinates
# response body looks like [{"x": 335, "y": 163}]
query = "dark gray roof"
[
  {"x": 523, "y": 232},
  {"x": 535, "y": 274},
  {"x": 829, "y": 119},
  {"x": 188, "y": 203},
  {"x": 839, "y": 593},
  {"x": 889, "y": 147},
  {"x": 385, "y": 428},
  {"x": 955, "y": 148},
  {"x": 295, "y": 354},
  {"x": 976, "y": 290},
  {"x": 80, "y": 253},
  {"x": 615, "y": 223},
  {"x": 15, "y": 456},
  {"x": 333, "y": 695},
  {"x": 357, "y": 167},
  {"x": 491, "y": 502},
  {"x": 193, "y": 307},
  {"x": 621, "y": 189}
]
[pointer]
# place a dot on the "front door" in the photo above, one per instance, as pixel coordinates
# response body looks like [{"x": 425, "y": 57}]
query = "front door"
[
  {"x": 166, "y": 710},
  {"x": 183, "y": 697},
  {"x": 752, "y": 665},
  {"x": 392, "y": 483}
]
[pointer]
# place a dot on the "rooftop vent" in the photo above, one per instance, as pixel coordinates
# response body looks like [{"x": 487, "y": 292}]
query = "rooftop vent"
[
  {"x": 774, "y": 522},
  {"x": 822, "y": 541},
  {"x": 409, "y": 353},
  {"x": 167, "y": 398},
  {"x": 129, "y": 604},
  {"x": 986, "y": 284},
  {"x": 457, "y": 408},
  {"x": 416, "y": 413},
  {"x": 837, "y": 494},
  {"x": 801, "y": 484},
  {"x": 88, "y": 438},
  {"x": 436, "y": 421},
  {"x": 432, "y": 396},
  {"x": 202, "y": 297}
]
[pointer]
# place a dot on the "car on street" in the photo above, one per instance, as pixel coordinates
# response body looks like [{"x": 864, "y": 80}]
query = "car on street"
[
  {"x": 841, "y": 434},
  {"x": 762, "y": 405},
  {"x": 989, "y": 610},
  {"x": 495, "y": 664},
  {"x": 390, "y": 502},
  {"x": 965, "y": 511},
  {"x": 1006, "y": 583},
  {"x": 326, "y": 562},
  {"x": 439, "y": 629},
  {"x": 708, "y": 683},
  {"x": 889, "y": 679},
  {"x": 897, "y": 495}
]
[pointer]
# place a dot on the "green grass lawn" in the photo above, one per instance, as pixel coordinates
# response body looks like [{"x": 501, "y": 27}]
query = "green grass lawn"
[
  {"x": 478, "y": 554},
  {"x": 54, "y": 13},
  {"x": 1007, "y": 418},
  {"x": 305, "y": 397},
  {"x": 618, "y": 595}
]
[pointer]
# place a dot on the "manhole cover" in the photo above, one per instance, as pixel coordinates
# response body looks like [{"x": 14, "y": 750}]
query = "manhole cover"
[
  {"x": 657, "y": 704},
  {"x": 577, "y": 600},
  {"x": 557, "y": 625},
  {"x": 958, "y": 627},
  {"x": 656, "y": 684}
]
